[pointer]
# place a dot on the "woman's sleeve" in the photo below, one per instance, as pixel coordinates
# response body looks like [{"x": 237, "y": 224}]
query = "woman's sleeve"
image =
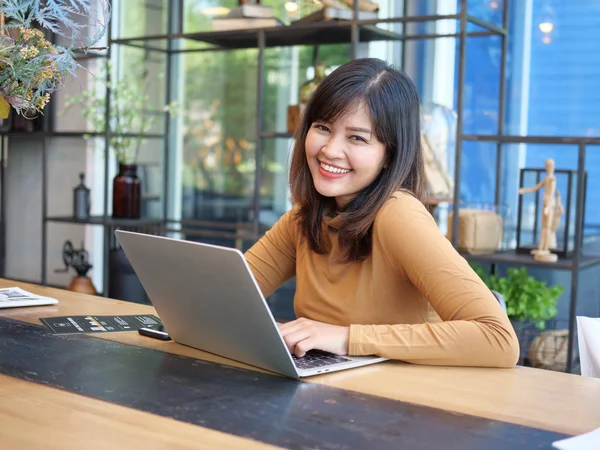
[
  {"x": 272, "y": 258},
  {"x": 474, "y": 331}
]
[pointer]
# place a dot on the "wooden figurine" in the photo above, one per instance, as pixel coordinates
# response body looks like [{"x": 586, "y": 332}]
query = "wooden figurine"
[
  {"x": 559, "y": 210},
  {"x": 549, "y": 211}
]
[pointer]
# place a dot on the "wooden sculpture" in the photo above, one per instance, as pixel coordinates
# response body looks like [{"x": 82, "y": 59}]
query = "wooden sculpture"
[
  {"x": 559, "y": 210},
  {"x": 549, "y": 210}
]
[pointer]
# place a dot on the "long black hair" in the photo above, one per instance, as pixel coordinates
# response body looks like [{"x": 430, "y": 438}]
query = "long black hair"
[{"x": 392, "y": 102}]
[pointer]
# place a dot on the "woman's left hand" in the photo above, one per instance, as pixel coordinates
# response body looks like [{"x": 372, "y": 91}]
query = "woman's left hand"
[{"x": 302, "y": 335}]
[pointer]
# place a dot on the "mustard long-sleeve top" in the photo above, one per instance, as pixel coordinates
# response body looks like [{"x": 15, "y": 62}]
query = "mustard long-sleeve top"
[{"x": 413, "y": 299}]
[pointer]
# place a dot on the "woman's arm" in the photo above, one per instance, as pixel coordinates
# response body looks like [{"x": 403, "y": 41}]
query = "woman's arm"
[
  {"x": 272, "y": 258},
  {"x": 474, "y": 330}
]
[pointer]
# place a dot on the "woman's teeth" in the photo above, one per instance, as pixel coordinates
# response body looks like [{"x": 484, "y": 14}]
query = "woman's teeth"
[{"x": 332, "y": 169}]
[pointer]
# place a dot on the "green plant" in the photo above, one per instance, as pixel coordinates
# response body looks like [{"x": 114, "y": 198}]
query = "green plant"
[
  {"x": 129, "y": 119},
  {"x": 526, "y": 298}
]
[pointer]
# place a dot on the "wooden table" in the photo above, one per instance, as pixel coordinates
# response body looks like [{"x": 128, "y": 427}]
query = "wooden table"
[{"x": 34, "y": 414}]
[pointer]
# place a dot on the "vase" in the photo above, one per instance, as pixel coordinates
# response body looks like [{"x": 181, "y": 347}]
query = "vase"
[{"x": 126, "y": 193}]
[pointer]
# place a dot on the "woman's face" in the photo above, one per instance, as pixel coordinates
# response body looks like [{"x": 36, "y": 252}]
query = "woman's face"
[{"x": 344, "y": 157}]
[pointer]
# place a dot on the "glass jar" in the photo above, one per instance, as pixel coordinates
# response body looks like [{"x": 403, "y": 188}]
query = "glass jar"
[{"x": 126, "y": 193}]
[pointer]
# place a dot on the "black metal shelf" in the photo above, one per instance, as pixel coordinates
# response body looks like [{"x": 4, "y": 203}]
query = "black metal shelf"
[
  {"x": 108, "y": 221},
  {"x": 41, "y": 134},
  {"x": 516, "y": 139},
  {"x": 75, "y": 134},
  {"x": 312, "y": 33},
  {"x": 276, "y": 134},
  {"x": 511, "y": 258},
  {"x": 320, "y": 33}
]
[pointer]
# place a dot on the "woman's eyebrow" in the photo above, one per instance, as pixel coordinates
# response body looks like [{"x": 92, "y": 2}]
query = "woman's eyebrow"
[{"x": 359, "y": 130}]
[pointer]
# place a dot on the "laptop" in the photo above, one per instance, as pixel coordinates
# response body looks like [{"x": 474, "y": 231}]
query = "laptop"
[{"x": 207, "y": 298}]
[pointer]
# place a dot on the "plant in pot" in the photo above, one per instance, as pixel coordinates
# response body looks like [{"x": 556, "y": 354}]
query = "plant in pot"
[
  {"x": 529, "y": 302},
  {"x": 527, "y": 299},
  {"x": 129, "y": 123}
]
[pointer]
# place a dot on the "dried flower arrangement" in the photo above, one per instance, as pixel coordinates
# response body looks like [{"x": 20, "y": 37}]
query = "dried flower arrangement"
[{"x": 31, "y": 67}]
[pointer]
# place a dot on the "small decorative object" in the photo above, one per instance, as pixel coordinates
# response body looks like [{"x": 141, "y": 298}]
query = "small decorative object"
[
  {"x": 542, "y": 252},
  {"x": 547, "y": 217},
  {"x": 31, "y": 67},
  {"x": 78, "y": 259},
  {"x": 293, "y": 118},
  {"x": 294, "y": 112},
  {"x": 81, "y": 200},
  {"x": 339, "y": 12},
  {"x": 438, "y": 131},
  {"x": 308, "y": 88},
  {"x": 127, "y": 193},
  {"x": 363, "y": 5},
  {"x": 479, "y": 231},
  {"x": 439, "y": 184},
  {"x": 549, "y": 350}
]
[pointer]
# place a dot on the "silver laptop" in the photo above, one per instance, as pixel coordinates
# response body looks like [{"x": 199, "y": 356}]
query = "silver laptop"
[{"x": 207, "y": 298}]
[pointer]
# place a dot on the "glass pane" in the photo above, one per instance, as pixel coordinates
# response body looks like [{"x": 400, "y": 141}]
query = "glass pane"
[
  {"x": 219, "y": 132},
  {"x": 592, "y": 206},
  {"x": 554, "y": 85},
  {"x": 482, "y": 85},
  {"x": 487, "y": 10},
  {"x": 138, "y": 18},
  {"x": 68, "y": 115}
]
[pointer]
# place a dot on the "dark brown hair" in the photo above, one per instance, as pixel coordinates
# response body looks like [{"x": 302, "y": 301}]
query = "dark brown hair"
[{"x": 392, "y": 102}]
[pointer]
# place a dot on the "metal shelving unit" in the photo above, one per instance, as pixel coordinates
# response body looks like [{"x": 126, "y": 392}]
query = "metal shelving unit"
[{"x": 350, "y": 32}]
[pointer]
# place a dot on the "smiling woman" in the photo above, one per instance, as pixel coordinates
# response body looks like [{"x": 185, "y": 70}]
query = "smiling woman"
[
  {"x": 374, "y": 273},
  {"x": 344, "y": 157}
]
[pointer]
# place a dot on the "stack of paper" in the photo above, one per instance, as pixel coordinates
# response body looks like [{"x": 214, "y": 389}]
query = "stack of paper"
[
  {"x": 588, "y": 332},
  {"x": 15, "y": 296},
  {"x": 587, "y": 441}
]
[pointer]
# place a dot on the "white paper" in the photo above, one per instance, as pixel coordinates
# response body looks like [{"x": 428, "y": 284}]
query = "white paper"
[
  {"x": 587, "y": 441},
  {"x": 15, "y": 296},
  {"x": 588, "y": 333}
]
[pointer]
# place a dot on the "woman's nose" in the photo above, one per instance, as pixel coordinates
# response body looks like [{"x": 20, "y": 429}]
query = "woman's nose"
[{"x": 333, "y": 148}]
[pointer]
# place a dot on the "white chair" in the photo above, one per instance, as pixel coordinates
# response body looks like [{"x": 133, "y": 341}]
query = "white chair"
[{"x": 588, "y": 336}]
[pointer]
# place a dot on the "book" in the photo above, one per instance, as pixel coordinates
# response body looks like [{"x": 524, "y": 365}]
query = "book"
[
  {"x": 14, "y": 297},
  {"x": 328, "y": 13},
  {"x": 256, "y": 11},
  {"x": 244, "y": 23}
]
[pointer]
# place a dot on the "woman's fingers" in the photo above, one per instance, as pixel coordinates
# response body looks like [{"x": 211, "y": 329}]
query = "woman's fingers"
[
  {"x": 304, "y": 346},
  {"x": 292, "y": 339}
]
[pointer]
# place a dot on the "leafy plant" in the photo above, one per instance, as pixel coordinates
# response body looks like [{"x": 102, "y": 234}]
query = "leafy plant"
[
  {"x": 129, "y": 120},
  {"x": 526, "y": 298},
  {"x": 31, "y": 68},
  {"x": 69, "y": 18}
]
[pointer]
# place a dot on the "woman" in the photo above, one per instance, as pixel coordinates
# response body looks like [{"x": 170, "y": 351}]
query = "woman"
[{"x": 374, "y": 274}]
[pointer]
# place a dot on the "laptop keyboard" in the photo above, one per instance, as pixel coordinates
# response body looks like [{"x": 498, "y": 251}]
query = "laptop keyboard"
[{"x": 317, "y": 358}]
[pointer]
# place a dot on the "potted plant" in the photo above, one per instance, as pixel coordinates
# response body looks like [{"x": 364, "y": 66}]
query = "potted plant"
[
  {"x": 32, "y": 68},
  {"x": 128, "y": 126},
  {"x": 527, "y": 300}
]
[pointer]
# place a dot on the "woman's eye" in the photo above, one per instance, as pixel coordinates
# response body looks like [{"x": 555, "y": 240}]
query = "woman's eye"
[
  {"x": 321, "y": 127},
  {"x": 358, "y": 138}
]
